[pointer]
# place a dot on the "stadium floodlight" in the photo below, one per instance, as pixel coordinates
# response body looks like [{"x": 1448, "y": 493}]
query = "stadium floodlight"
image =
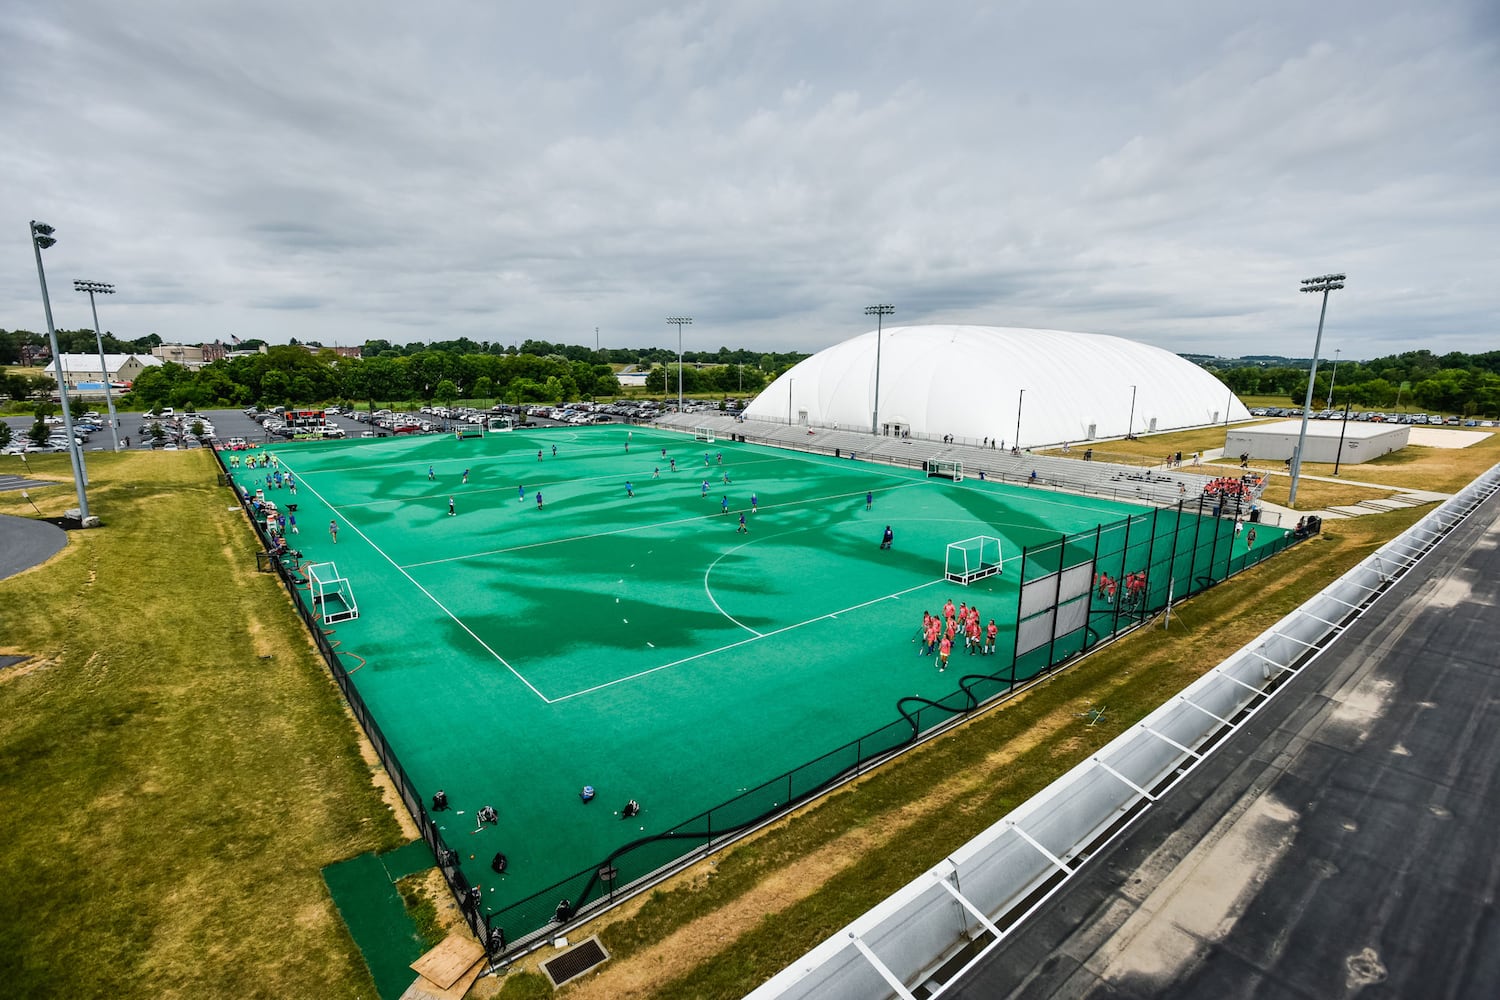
[
  {"x": 41, "y": 239},
  {"x": 101, "y": 288},
  {"x": 1323, "y": 283},
  {"x": 681, "y": 322},
  {"x": 1334, "y": 378},
  {"x": 880, "y": 313}
]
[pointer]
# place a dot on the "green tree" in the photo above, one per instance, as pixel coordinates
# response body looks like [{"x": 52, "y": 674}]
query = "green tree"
[
  {"x": 484, "y": 388},
  {"x": 5, "y": 435},
  {"x": 39, "y": 432},
  {"x": 446, "y": 392},
  {"x": 386, "y": 379},
  {"x": 274, "y": 387}
]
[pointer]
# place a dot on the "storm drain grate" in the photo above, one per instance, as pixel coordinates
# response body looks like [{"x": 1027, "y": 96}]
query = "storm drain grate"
[{"x": 572, "y": 964}]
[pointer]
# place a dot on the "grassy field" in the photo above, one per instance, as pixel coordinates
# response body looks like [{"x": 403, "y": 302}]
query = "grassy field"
[
  {"x": 177, "y": 768},
  {"x": 175, "y": 764}
]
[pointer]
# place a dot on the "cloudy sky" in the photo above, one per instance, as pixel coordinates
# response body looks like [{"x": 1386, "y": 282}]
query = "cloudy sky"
[{"x": 1164, "y": 170}]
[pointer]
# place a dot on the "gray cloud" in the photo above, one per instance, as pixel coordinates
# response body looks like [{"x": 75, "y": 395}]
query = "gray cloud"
[{"x": 1159, "y": 171}]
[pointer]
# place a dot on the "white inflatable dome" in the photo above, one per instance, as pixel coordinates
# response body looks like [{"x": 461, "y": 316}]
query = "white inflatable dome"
[{"x": 969, "y": 381}]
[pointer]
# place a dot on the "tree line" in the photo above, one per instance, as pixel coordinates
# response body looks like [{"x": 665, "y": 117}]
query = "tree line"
[
  {"x": 545, "y": 372},
  {"x": 299, "y": 374},
  {"x": 1468, "y": 384}
]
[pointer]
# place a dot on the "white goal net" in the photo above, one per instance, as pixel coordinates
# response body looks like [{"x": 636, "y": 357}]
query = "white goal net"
[
  {"x": 948, "y": 470},
  {"x": 332, "y": 594},
  {"x": 972, "y": 559},
  {"x": 705, "y": 434}
]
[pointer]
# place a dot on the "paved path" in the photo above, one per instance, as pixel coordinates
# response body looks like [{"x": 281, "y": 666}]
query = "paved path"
[{"x": 25, "y": 542}]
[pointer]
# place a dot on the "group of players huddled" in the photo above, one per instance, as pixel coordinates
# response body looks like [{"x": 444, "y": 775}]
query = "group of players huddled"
[
  {"x": 1107, "y": 586},
  {"x": 939, "y": 632}
]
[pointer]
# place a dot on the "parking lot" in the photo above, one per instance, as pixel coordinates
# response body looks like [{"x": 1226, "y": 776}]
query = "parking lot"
[
  {"x": 136, "y": 430},
  {"x": 1374, "y": 416}
]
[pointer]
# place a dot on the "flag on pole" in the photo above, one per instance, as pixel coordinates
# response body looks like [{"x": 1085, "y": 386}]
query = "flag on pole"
[{"x": 233, "y": 339}]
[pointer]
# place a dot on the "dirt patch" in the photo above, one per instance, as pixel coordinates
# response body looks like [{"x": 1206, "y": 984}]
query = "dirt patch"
[{"x": 381, "y": 779}]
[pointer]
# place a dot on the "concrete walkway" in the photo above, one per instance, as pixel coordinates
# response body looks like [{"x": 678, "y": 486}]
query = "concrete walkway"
[
  {"x": 1401, "y": 497},
  {"x": 1158, "y": 484}
]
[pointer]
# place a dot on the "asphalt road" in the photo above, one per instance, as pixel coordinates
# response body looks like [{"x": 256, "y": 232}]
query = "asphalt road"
[{"x": 1342, "y": 843}]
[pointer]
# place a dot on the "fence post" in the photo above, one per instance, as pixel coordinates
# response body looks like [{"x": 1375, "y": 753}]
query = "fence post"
[
  {"x": 1062, "y": 558},
  {"x": 1150, "y": 564}
]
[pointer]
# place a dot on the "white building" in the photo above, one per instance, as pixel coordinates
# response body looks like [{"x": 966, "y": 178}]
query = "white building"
[
  {"x": 1278, "y": 441},
  {"x": 978, "y": 382},
  {"x": 85, "y": 368}
]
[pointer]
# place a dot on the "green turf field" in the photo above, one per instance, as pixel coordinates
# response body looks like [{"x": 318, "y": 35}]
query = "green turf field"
[{"x": 642, "y": 644}]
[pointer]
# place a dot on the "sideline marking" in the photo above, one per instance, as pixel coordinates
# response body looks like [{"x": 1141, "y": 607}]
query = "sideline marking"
[
  {"x": 764, "y": 635},
  {"x": 441, "y": 606}
]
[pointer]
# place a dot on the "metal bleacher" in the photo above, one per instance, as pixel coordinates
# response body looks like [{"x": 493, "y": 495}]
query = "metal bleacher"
[{"x": 1141, "y": 484}]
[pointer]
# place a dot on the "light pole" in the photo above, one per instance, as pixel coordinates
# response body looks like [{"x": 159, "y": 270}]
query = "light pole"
[
  {"x": 1325, "y": 284},
  {"x": 1333, "y": 378},
  {"x": 879, "y": 312},
  {"x": 1130, "y": 424},
  {"x": 1019, "y": 400},
  {"x": 1339, "y": 455},
  {"x": 789, "y": 383},
  {"x": 681, "y": 322},
  {"x": 41, "y": 239},
  {"x": 101, "y": 288}
]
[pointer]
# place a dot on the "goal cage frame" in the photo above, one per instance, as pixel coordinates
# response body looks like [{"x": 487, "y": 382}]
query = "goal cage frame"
[
  {"x": 704, "y": 434},
  {"x": 953, "y": 470},
  {"x": 468, "y": 430},
  {"x": 972, "y": 559},
  {"x": 332, "y": 594}
]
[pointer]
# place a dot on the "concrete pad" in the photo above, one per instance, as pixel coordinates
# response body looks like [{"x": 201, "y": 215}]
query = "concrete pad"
[{"x": 1445, "y": 437}]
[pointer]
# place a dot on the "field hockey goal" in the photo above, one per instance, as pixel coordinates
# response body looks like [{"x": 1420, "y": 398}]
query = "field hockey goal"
[
  {"x": 972, "y": 559},
  {"x": 704, "y": 434},
  {"x": 332, "y": 594},
  {"x": 946, "y": 470},
  {"x": 467, "y": 430}
]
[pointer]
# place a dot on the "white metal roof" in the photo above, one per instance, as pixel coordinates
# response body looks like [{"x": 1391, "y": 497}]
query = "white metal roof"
[
  {"x": 90, "y": 362},
  {"x": 968, "y": 381}
]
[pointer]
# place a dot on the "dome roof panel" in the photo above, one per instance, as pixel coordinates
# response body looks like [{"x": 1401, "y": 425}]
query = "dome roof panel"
[{"x": 970, "y": 381}]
